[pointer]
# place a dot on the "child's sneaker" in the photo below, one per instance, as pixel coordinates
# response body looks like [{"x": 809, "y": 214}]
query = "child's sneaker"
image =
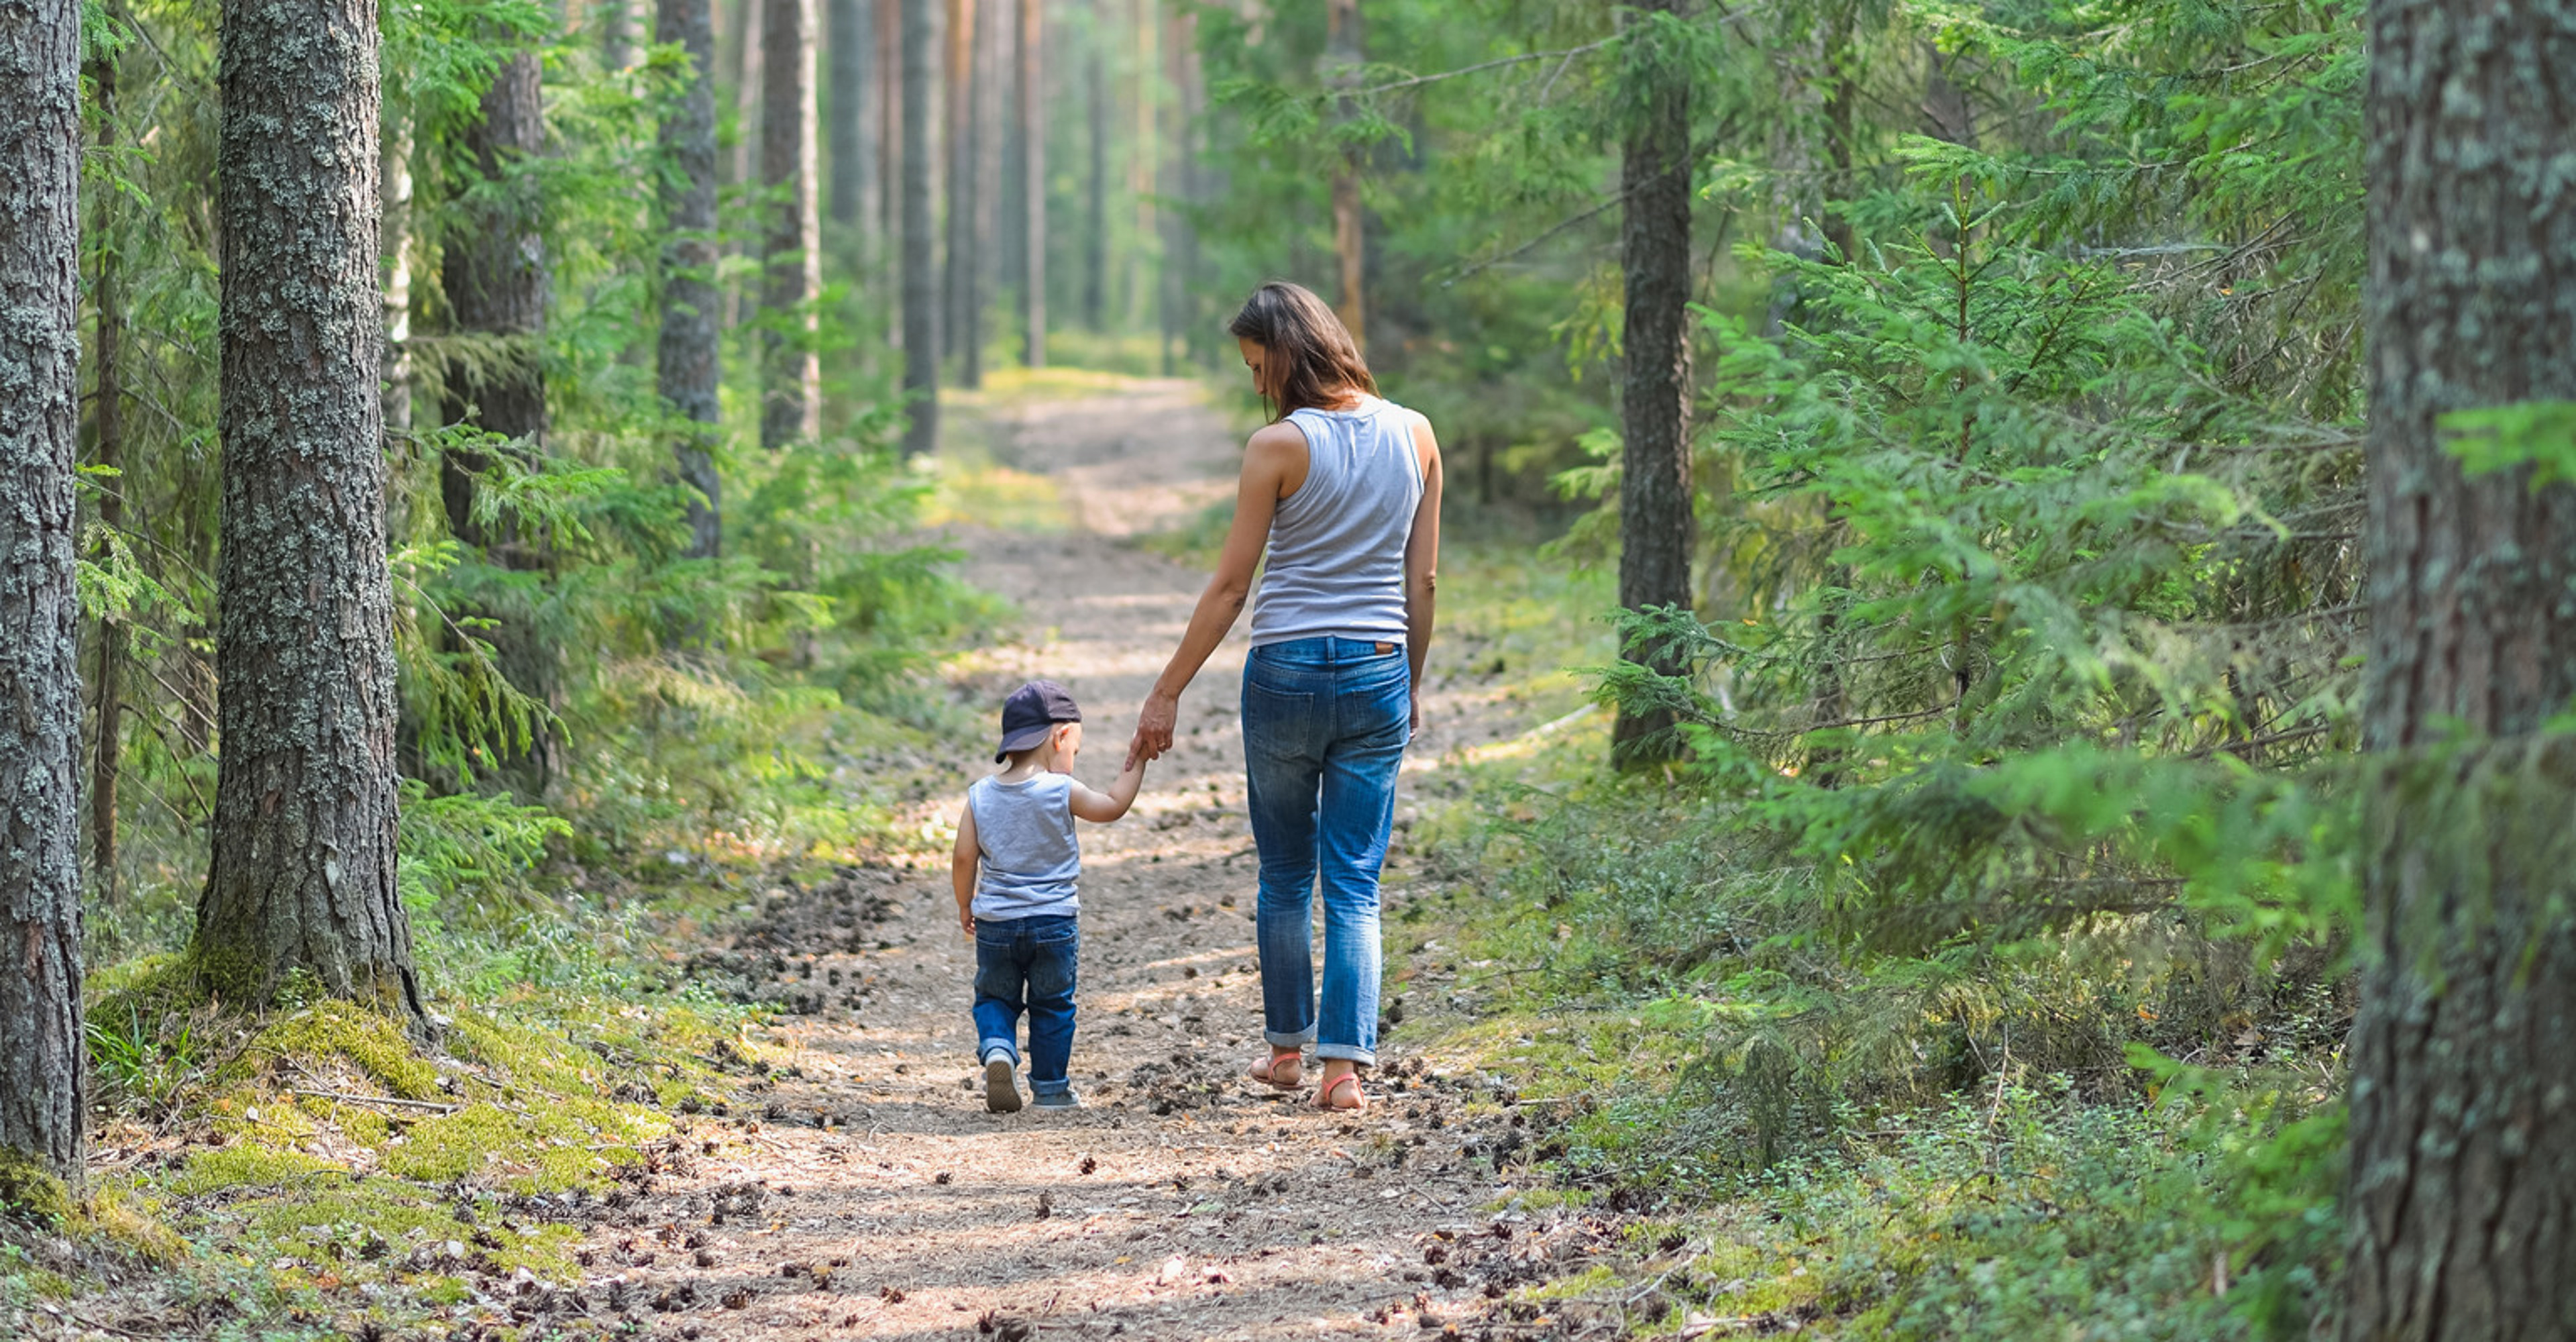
[
  {"x": 1002, "y": 1085},
  {"x": 1057, "y": 1099}
]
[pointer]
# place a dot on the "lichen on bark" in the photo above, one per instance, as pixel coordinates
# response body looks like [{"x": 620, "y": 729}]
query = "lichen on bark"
[
  {"x": 41, "y": 1050},
  {"x": 302, "y": 876}
]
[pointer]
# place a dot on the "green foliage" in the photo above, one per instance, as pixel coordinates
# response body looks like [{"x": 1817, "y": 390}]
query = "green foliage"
[{"x": 2538, "y": 434}]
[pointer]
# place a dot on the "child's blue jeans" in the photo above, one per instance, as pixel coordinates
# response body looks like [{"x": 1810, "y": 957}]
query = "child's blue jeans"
[
  {"x": 1027, "y": 964},
  {"x": 1325, "y": 722}
]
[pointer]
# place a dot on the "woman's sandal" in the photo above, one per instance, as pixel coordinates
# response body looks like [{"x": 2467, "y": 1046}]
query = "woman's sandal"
[
  {"x": 1282, "y": 1070},
  {"x": 1324, "y": 1098}
]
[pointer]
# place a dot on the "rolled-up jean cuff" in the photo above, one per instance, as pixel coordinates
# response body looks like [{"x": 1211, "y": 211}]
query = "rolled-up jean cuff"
[
  {"x": 1037, "y": 1087},
  {"x": 1347, "y": 1053},
  {"x": 1278, "y": 1040},
  {"x": 984, "y": 1051}
]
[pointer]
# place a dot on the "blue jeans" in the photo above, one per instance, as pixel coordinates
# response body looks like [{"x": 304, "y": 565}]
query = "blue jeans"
[
  {"x": 1027, "y": 964},
  {"x": 1325, "y": 721}
]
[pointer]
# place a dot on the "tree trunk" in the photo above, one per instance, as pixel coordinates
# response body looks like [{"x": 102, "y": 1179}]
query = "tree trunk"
[
  {"x": 749, "y": 43},
  {"x": 920, "y": 278},
  {"x": 688, "y": 365},
  {"x": 302, "y": 877},
  {"x": 1010, "y": 123},
  {"x": 1344, "y": 50},
  {"x": 42, "y": 1071},
  {"x": 1655, "y": 522},
  {"x": 394, "y": 265},
  {"x": 1033, "y": 190},
  {"x": 989, "y": 111},
  {"x": 1095, "y": 222},
  {"x": 963, "y": 148},
  {"x": 2461, "y": 1202},
  {"x": 852, "y": 93},
  {"x": 889, "y": 136},
  {"x": 496, "y": 280},
  {"x": 497, "y": 283},
  {"x": 792, "y": 381},
  {"x": 616, "y": 34},
  {"x": 107, "y": 418}
]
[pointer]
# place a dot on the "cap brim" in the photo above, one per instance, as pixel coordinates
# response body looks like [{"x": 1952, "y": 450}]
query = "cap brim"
[{"x": 1023, "y": 739}]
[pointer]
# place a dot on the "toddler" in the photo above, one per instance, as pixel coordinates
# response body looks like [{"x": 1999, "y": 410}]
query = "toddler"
[{"x": 1014, "y": 870}]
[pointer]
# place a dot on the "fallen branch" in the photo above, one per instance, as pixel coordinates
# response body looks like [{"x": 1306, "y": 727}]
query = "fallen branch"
[{"x": 345, "y": 1097}]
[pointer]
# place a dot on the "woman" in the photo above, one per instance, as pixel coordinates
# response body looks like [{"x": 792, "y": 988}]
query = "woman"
[{"x": 1343, "y": 488}]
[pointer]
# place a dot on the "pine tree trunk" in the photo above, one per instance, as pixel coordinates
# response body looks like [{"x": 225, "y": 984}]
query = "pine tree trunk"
[
  {"x": 920, "y": 278},
  {"x": 302, "y": 877},
  {"x": 989, "y": 111},
  {"x": 1095, "y": 222},
  {"x": 1033, "y": 189},
  {"x": 42, "y": 1070},
  {"x": 688, "y": 363},
  {"x": 961, "y": 336},
  {"x": 852, "y": 94},
  {"x": 2461, "y": 1203},
  {"x": 497, "y": 284},
  {"x": 1010, "y": 203},
  {"x": 1344, "y": 50},
  {"x": 889, "y": 138},
  {"x": 1655, "y": 522},
  {"x": 616, "y": 34},
  {"x": 107, "y": 419},
  {"x": 792, "y": 380},
  {"x": 394, "y": 265}
]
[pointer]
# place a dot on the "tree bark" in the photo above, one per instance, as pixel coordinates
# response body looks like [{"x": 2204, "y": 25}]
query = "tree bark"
[
  {"x": 42, "y": 1067},
  {"x": 792, "y": 381},
  {"x": 2461, "y": 1202},
  {"x": 302, "y": 877},
  {"x": 1095, "y": 223},
  {"x": 1655, "y": 519},
  {"x": 889, "y": 133},
  {"x": 616, "y": 34},
  {"x": 1344, "y": 50},
  {"x": 497, "y": 284},
  {"x": 394, "y": 172},
  {"x": 1033, "y": 192},
  {"x": 852, "y": 93},
  {"x": 920, "y": 278},
  {"x": 688, "y": 363},
  {"x": 960, "y": 336},
  {"x": 107, "y": 419},
  {"x": 990, "y": 113}
]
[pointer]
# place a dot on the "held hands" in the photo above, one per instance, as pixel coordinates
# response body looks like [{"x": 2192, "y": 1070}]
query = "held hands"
[{"x": 1154, "y": 723}]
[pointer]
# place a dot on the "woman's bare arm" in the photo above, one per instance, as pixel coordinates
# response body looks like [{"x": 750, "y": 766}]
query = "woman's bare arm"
[
  {"x": 1273, "y": 462},
  {"x": 1422, "y": 563}
]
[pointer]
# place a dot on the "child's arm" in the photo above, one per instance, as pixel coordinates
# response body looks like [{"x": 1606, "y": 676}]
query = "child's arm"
[
  {"x": 1104, "y": 807},
  {"x": 961, "y": 868}
]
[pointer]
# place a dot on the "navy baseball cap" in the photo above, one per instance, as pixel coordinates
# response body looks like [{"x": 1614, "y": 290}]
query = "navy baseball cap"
[{"x": 1030, "y": 713}]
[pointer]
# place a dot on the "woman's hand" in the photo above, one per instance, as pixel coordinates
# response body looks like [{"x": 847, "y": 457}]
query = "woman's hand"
[
  {"x": 1154, "y": 723},
  {"x": 1413, "y": 693}
]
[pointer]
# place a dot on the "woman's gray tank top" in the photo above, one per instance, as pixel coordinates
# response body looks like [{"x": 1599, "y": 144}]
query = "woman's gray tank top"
[
  {"x": 1337, "y": 545},
  {"x": 1025, "y": 832}
]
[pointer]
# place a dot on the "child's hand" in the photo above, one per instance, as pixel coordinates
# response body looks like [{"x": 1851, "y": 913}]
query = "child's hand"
[{"x": 966, "y": 920}]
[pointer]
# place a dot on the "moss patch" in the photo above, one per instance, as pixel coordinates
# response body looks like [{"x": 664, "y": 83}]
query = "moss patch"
[
  {"x": 336, "y": 1035},
  {"x": 28, "y": 1189}
]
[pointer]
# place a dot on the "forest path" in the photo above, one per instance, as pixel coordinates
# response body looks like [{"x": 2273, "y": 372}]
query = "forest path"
[{"x": 1182, "y": 1201}]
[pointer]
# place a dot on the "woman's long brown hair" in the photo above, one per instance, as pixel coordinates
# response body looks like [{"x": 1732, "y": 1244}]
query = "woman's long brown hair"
[{"x": 1312, "y": 359}]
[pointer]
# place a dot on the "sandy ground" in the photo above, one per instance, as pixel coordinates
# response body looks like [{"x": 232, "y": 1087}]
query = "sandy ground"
[{"x": 873, "y": 1197}]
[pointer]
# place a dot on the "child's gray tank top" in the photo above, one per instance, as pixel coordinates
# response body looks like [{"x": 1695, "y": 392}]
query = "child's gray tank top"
[
  {"x": 1025, "y": 833},
  {"x": 1336, "y": 562}
]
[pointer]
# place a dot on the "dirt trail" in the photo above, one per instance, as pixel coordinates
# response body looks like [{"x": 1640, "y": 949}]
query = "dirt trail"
[{"x": 1181, "y": 1201}]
